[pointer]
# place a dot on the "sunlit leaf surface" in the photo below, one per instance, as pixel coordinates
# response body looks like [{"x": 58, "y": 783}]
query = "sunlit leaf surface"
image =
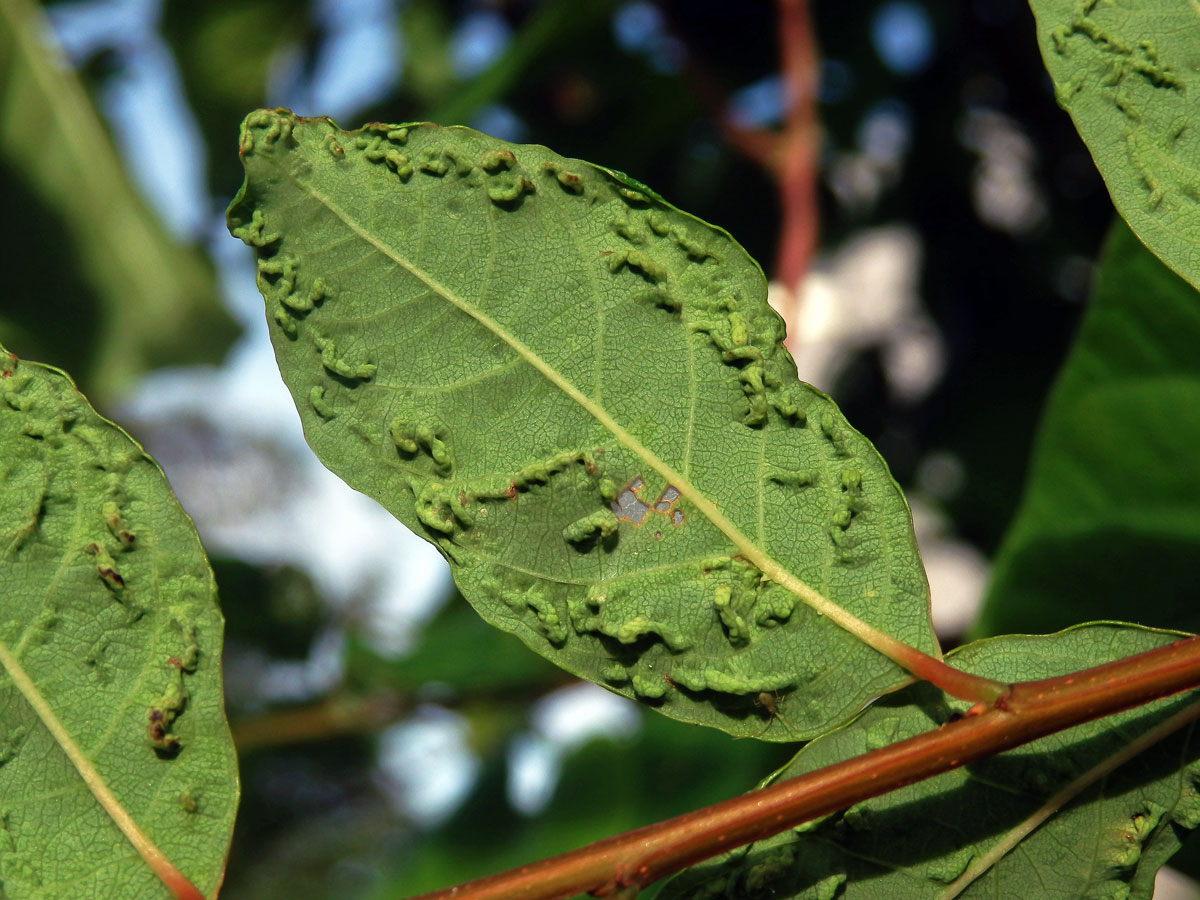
[
  {"x": 1128, "y": 74},
  {"x": 579, "y": 394},
  {"x": 110, "y": 616}
]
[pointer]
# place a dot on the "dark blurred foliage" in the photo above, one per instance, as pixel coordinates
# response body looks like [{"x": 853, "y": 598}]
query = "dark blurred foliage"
[
  {"x": 224, "y": 50},
  {"x": 278, "y": 611},
  {"x": 1111, "y": 487},
  {"x": 995, "y": 297},
  {"x": 65, "y": 293},
  {"x": 93, "y": 283},
  {"x": 315, "y": 819}
]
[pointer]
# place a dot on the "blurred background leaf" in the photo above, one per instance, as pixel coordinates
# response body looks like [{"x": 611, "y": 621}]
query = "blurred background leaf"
[
  {"x": 93, "y": 281},
  {"x": 1109, "y": 524},
  {"x": 226, "y": 50}
]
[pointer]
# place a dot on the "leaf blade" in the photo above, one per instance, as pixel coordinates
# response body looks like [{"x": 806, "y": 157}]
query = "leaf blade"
[
  {"x": 162, "y": 867},
  {"x": 113, "y": 705},
  {"x": 1126, "y": 76},
  {"x": 636, "y": 344}
]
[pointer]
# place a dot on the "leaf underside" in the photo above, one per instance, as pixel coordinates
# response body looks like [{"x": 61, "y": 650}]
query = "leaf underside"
[
  {"x": 110, "y": 610},
  {"x": 912, "y": 843},
  {"x": 516, "y": 353},
  {"x": 1128, "y": 73}
]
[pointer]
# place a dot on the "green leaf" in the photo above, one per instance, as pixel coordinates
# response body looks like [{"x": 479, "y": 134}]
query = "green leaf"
[
  {"x": 1128, "y": 76},
  {"x": 111, "y": 630},
  {"x": 579, "y": 394},
  {"x": 157, "y": 299},
  {"x": 912, "y": 843},
  {"x": 1109, "y": 489}
]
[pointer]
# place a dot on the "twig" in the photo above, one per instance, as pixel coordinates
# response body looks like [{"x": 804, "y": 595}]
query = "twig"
[
  {"x": 1029, "y": 710},
  {"x": 327, "y": 718},
  {"x": 798, "y": 164},
  {"x": 790, "y": 156}
]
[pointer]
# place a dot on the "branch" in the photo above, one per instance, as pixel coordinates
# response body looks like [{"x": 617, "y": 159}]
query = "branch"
[
  {"x": 335, "y": 716},
  {"x": 797, "y": 169},
  {"x": 1029, "y": 710},
  {"x": 790, "y": 155}
]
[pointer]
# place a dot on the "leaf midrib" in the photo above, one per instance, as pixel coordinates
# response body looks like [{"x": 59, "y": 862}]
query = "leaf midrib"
[
  {"x": 771, "y": 568},
  {"x": 149, "y": 852}
]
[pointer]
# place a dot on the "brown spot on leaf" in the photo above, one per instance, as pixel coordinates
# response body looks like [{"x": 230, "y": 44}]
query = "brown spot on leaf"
[
  {"x": 158, "y": 731},
  {"x": 111, "y": 576}
]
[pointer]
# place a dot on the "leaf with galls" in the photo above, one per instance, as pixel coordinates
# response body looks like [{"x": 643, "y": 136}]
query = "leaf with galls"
[{"x": 579, "y": 394}]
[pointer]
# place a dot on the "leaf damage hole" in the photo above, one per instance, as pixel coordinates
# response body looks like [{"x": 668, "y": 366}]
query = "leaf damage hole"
[
  {"x": 631, "y": 507},
  {"x": 669, "y": 495},
  {"x": 628, "y": 505}
]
